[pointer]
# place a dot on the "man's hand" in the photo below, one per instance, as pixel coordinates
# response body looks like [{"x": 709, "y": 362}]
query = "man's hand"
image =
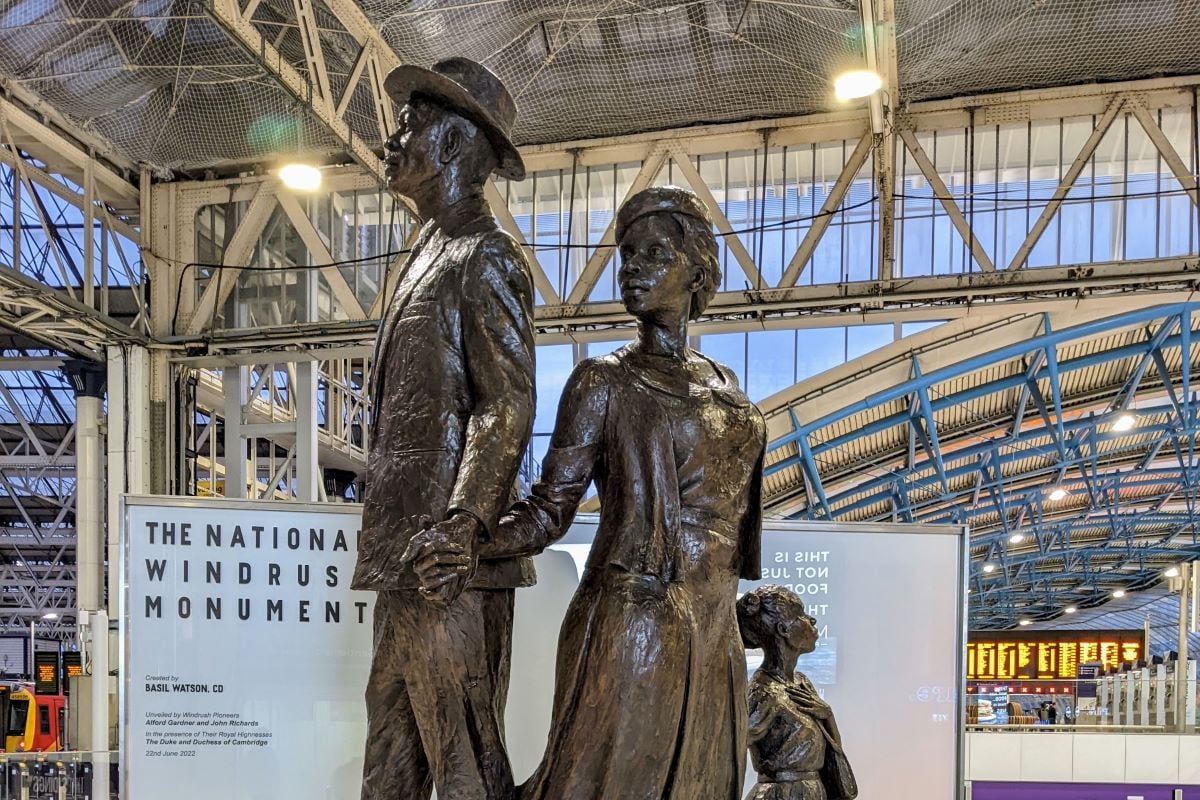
[{"x": 444, "y": 556}]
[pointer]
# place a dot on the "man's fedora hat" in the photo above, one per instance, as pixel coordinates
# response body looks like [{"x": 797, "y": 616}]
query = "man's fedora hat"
[{"x": 472, "y": 90}]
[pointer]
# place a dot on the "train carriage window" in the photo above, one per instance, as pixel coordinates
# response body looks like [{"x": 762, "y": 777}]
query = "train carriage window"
[
  {"x": 18, "y": 712},
  {"x": 44, "y": 720}
]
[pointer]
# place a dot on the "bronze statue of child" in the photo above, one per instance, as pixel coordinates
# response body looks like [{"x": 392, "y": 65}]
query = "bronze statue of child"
[{"x": 794, "y": 741}]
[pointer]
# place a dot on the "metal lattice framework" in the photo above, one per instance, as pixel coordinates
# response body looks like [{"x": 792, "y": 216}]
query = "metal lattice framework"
[
  {"x": 37, "y": 497},
  {"x": 726, "y": 96},
  {"x": 1009, "y": 428},
  {"x": 306, "y": 74}
]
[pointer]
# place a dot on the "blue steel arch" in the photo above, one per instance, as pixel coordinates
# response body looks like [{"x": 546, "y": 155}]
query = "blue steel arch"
[{"x": 1130, "y": 504}]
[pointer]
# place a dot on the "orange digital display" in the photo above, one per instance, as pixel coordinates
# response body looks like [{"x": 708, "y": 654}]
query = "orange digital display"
[
  {"x": 45, "y": 666},
  {"x": 1048, "y": 656}
]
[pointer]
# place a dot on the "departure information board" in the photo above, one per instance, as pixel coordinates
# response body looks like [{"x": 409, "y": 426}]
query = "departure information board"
[
  {"x": 1053, "y": 655},
  {"x": 45, "y": 678},
  {"x": 72, "y": 667}
]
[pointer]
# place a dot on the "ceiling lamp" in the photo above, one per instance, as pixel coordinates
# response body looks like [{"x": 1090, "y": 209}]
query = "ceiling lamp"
[
  {"x": 988, "y": 569},
  {"x": 1016, "y": 538},
  {"x": 300, "y": 177},
  {"x": 1070, "y": 610},
  {"x": 856, "y": 84},
  {"x": 1058, "y": 493},
  {"x": 1125, "y": 422},
  {"x": 1173, "y": 572},
  {"x": 1118, "y": 594},
  {"x": 51, "y": 615},
  {"x": 1025, "y": 622}
]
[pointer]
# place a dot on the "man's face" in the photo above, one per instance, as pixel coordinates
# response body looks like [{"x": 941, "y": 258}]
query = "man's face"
[{"x": 411, "y": 153}]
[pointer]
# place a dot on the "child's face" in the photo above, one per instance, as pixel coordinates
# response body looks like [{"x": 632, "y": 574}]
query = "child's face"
[{"x": 802, "y": 631}]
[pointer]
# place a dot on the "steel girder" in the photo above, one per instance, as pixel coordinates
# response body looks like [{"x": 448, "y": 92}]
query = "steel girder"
[{"x": 983, "y": 441}]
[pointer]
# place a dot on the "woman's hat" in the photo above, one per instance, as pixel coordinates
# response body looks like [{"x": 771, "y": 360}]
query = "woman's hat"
[
  {"x": 472, "y": 90},
  {"x": 659, "y": 200}
]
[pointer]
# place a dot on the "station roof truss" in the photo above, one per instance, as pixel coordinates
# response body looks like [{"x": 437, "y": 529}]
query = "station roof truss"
[
  {"x": 1066, "y": 442},
  {"x": 188, "y": 85},
  {"x": 37, "y": 497},
  {"x": 1156, "y": 608},
  {"x": 103, "y": 103}
]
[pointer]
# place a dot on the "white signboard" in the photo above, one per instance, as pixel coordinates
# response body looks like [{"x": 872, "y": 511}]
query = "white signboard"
[
  {"x": 246, "y": 654},
  {"x": 890, "y": 603}
]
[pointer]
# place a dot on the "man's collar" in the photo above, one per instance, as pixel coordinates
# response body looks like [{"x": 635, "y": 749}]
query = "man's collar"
[{"x": 454, "y": 218}]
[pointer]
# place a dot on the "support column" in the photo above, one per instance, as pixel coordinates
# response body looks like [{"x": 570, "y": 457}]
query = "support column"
[
  {"x": 88, "y": 381},
  {"x": 128, "y": 448},
  {"x": 233, "y": 380},
  {"x": 1181, "y": 667},
  {"x": 308, "y": 473},
  {"x": 100, "y": 721}
]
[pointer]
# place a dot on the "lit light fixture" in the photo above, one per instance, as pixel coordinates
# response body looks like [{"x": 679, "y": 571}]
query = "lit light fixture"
[
  {"x": 1173, "y": 572},
  {"x": 51, "y": 615},
  {"x": 1016, "y": 538},
  {"x": 1058, "y": 494},
  {"x": 1025, "y": 622},
  {"x": 1118, "y": 594},
  {"x": 988, "y": 569},
  {"x": 300, "y": 177},
  {"x": 1125, "y": 422},
  {"x": 1070, "y": 610},
  {"x": 856, "y": 84}
]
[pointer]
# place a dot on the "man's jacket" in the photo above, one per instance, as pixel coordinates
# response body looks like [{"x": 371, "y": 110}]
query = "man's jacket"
[{"x": 452, "y": 392}]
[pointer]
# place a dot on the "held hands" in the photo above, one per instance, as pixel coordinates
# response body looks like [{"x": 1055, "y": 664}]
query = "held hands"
[{"x": 444, "y": 556}]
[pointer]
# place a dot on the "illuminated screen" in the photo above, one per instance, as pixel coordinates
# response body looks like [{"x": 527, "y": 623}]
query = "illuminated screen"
[
  {"x": 72, "y": 667},
  {"x": 46, "y": 672},
  {"x": 1054, "y": 655}
]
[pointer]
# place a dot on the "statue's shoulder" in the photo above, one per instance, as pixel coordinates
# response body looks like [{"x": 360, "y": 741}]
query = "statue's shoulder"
[
  {"x": 604, "y": 366},
  {"x": 492, "y": 241},
  {"x": 762, "y": 689},
  {"x": 595, "y": 376}
]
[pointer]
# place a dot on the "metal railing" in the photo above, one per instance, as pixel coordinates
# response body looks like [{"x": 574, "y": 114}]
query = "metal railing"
[{"x": 57, "y": 776}]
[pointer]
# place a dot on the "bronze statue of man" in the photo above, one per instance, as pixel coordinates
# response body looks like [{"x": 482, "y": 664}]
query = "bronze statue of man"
[{"x": 452, "y": 390}]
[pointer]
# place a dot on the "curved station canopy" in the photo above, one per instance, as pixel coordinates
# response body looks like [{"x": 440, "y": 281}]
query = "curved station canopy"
[{"x": 1065, "y": 441}]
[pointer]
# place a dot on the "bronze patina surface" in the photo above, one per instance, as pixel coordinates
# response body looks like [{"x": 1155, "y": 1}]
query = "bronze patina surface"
[{"x": 452, "y": 391}]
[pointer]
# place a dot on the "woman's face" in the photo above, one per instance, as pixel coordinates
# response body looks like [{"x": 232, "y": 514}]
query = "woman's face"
[{"x": 655, "y": 278}]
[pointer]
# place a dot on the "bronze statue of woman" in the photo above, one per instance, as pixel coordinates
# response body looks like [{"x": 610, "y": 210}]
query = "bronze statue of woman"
[
  {"x": 795, "y": 744},
  {"x": 649, "y": 699}
]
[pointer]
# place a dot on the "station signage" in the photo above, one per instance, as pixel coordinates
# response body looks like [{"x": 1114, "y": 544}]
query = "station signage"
[
  {"x": 45, "y": 672},
  {"x": 1051, "y": 655}
]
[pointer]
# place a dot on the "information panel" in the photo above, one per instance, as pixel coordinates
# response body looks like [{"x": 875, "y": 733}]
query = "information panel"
[
  {"x": 46, "y": 672},
  {"x": 72, "y": 667},
  {"x": 246, "y": 652},
  {"x": 1051, "y": 655},
  {"x": 14, "y": 656}
]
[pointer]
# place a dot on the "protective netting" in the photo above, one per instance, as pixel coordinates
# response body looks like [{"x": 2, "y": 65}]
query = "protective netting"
[
  {"x": 160, "y": 79},
  {"x": 592, "y": 68},
  {"x": 171, "y": 88},
  {"x": 948, "y": 48}
]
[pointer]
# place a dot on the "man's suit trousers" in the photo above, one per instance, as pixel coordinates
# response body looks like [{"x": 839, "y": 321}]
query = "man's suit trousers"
[{"x": 436, "y": 696}]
